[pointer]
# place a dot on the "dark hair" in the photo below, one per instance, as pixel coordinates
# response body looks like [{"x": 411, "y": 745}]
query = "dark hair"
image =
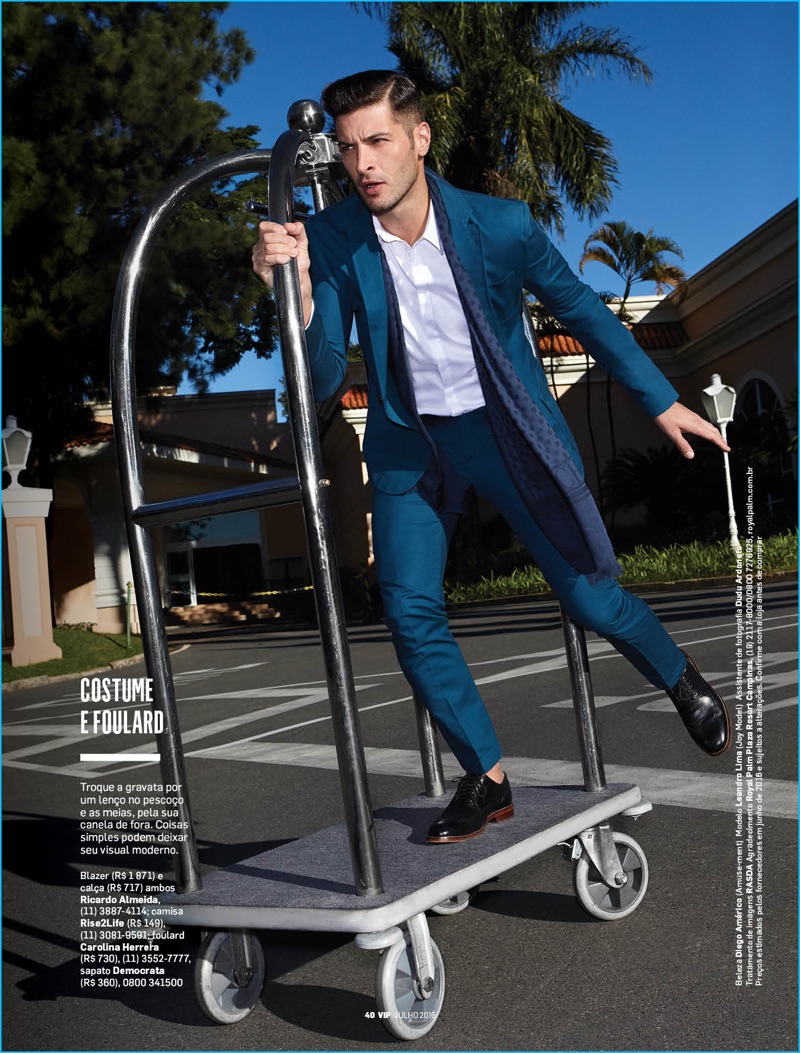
[{"x": 371, "y": 87}]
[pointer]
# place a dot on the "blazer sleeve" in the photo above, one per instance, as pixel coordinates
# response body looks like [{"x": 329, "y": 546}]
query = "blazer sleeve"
[
  {"x": 590, "y": 321},
  {"x": 328, "y": 332}
]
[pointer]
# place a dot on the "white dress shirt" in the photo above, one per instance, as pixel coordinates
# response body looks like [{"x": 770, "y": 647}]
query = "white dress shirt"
[{"x": 438, "y": 346}]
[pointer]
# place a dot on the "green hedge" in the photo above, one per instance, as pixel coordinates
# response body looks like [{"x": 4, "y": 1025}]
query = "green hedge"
[{"x": 645, "y": 565}]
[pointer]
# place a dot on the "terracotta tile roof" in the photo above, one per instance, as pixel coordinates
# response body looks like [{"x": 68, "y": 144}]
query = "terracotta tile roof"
[
  {"x": 654, "y": 335},
  {"x": 551, "y": 344},
  {"x": 651, "y": 336},
  {"x": 96, "y": 432},
  {"x": 355, "y": 397}
]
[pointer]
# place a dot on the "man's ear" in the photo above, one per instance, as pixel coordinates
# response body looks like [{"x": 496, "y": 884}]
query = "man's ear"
[{"x": 422, "y": 138}]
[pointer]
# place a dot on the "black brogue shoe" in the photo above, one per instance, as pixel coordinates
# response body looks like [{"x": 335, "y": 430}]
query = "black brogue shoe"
[
  {"x": 478, "y": 800},
  {"x": 702, "y": 710}
]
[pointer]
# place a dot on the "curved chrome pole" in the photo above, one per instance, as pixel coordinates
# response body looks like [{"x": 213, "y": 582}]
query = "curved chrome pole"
[
  {"x": 126, "y": 434},
  {"x": 322, "y": 552},
  {"x": 594, "y": 776},
  {"x": 430, "y": 754}
]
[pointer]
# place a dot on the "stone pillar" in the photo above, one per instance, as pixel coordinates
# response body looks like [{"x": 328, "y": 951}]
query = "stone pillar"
[{"x": 24, "y": 510}]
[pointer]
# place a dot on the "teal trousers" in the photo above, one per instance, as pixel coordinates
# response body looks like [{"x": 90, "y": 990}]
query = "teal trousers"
[{"x": 410, "y": 542}]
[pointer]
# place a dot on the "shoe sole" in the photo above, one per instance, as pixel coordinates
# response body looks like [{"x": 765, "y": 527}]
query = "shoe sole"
[
  {"x": 495, "y": 817},
  {"x": 728, "y": 735}
]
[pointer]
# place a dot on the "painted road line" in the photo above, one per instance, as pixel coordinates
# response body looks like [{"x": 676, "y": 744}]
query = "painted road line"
[
  {"x": 196, "y": 674},
  {"x": 59, "y": 736},
  {"x": 771, "y": 680},
  {"x": 116, "y": 758},
  {"x": 665, "y": 786}
]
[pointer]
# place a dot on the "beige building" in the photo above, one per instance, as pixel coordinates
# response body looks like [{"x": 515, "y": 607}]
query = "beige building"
[
  {"x": 738, "y": 318},
  {"x": 190, "y": 445}
]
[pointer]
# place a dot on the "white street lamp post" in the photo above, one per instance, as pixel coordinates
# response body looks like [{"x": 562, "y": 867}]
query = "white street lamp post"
[
  {"x": 719, "y": 401},
  {"x": 24, "y": 511},
  {"x": 16, "y": 447}
]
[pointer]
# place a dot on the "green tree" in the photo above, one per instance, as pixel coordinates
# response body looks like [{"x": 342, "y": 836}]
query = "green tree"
[
  {"x": 790, "y": 407},
  {"x": 493, "y": 77},
  {"x": 103, "y": 108},
  {"x": 547, "y": 325},
  {"x": 678, "y": 496},
  {"x": 760, "y": 440},
  {"x": 635, "y": 257}
]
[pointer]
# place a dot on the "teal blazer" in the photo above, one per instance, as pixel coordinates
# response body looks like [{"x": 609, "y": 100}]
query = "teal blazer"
[{"x": 504, "y": 252}]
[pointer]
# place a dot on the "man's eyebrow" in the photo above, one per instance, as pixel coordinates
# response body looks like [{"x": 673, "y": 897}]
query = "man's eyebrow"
[{"x": 367, "y": 139}]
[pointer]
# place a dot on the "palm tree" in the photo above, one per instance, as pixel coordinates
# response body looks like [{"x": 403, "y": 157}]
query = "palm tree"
[
  {"x": 546, "y": 324},
  {"x": 636, "y": 258},
  {"x": 679, "y": 496},
  {"x": 493, "y": 78},
  {"x": 655, "y": 479}
]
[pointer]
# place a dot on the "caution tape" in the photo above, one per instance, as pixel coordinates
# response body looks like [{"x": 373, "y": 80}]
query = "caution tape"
[
  {"x": 254, "y": 595},
  {"x": 285, "y": 592}
]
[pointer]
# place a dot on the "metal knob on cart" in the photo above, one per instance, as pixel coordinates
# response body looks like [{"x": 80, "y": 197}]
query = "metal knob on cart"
[{"x": 371, "y": 875}]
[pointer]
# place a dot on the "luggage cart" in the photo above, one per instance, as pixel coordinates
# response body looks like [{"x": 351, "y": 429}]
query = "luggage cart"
[{"x": 381, "y": 889}]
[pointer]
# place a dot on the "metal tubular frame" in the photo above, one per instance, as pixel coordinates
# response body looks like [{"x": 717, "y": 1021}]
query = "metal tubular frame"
[
  {"x": 319, "y": 532},
  {"x": 140, "y": 516},
  {"x": 238, "y": 499},
  {"x": 283, "y": 164},
  {"x": 594, "y": 777},
  {"x": 126, "y": 434},
  {"x": 429, "y": 751}
]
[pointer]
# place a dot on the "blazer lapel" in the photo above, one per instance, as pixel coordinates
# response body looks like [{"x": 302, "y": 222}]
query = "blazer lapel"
[
  {"x": 467, "y": 240},
  {"x": 366, "y": 251}
]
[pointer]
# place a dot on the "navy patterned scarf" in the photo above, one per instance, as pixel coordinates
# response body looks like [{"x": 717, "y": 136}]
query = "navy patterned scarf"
[{"x": 545, "y": 474}]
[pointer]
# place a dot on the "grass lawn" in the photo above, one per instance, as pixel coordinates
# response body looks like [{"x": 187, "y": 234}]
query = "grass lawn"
[
  {"x": 84, "y": 650},
  {"x": 645, "y": 565},
  {"x": 81, "y": 649}
]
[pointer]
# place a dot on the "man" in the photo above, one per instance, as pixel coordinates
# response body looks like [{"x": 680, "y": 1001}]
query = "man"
[{"x": 434, "y": 278}]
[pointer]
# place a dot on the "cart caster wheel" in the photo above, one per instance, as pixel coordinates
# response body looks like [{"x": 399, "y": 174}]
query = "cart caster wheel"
[
  {"x": 612, "y": 904},
  {"x": 403, "y": 1011},
  {"x": 455, "y": 904},
  {"x": 219, "y": 996}
]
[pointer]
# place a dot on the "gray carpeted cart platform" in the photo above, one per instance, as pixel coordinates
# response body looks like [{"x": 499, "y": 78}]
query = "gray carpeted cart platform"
[
  {"x": 314, "y": 883},
  {"x": 307, "y": 884}
]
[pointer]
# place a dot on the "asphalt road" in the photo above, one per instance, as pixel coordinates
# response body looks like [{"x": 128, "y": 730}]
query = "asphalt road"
[{"x": 526, "y": 967}]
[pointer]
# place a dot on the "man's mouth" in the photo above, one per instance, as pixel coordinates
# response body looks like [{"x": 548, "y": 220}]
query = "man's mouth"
[{"x": 371, "y": 187}]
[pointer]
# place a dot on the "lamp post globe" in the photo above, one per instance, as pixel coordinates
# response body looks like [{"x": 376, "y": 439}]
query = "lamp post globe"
[
  {"x": 719, "y": 402},
  {"x": 16, "y": 447}
]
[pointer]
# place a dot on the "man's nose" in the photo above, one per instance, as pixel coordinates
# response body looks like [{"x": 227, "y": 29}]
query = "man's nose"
[{"x": 364, "y": 160}]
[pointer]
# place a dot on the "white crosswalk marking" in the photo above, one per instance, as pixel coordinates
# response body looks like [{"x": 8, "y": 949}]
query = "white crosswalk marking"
[
  {"x": 52, "y": 724},
  {"x": 683, "y": 789},
  {"x": 63, "y": 735},
  {"x": 180, "y": 678},
  {"x": 772, "y": 680}
]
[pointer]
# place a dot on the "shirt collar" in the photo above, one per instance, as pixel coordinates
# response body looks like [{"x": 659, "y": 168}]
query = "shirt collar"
[{"x": 430, "y": 233}]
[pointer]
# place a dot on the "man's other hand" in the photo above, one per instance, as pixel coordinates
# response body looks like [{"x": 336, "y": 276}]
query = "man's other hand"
[{"x": 678, "y": 420}]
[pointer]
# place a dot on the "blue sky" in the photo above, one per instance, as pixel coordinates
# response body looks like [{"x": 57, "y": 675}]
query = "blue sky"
[{"x": 707, "y": 152}]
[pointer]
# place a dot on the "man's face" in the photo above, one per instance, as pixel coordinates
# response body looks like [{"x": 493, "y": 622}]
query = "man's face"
[{"x": 382, "y": 156}]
